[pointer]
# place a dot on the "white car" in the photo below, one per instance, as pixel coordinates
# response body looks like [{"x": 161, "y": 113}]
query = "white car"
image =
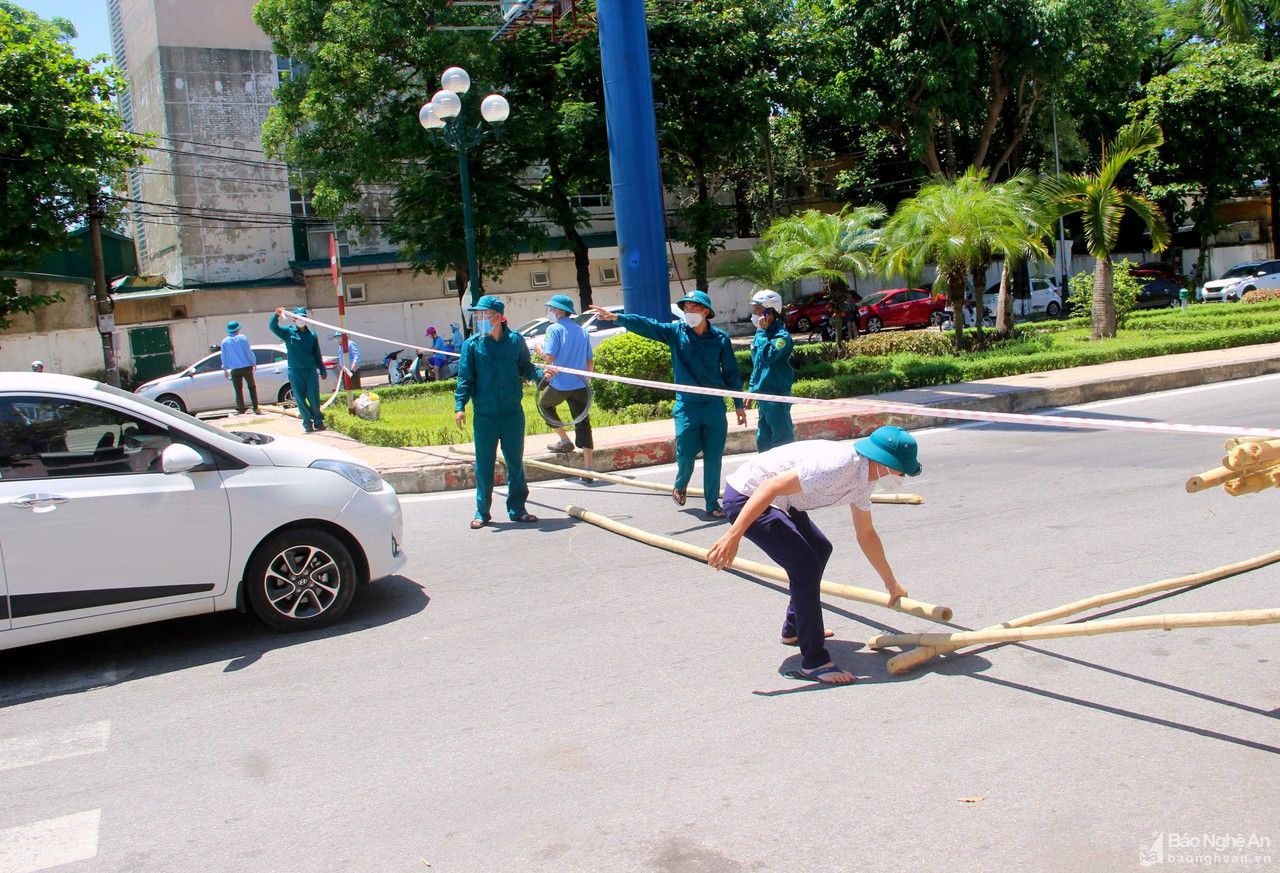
[
  {"x": 119, "y": 511},
  {"x": 1045, "y": 298},
  {"x": 1240, "y": 280},
  {"x": 204, "y": 386}
]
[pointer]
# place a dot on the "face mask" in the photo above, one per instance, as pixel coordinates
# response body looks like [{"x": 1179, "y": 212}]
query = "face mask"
[
  {"x": 889, "y": 483},
  {"x": 483, "y": 325},
  {"x": 553, "y": 315},
  {"x": 693, "y": 319},
  {"x": 758, "y": 321}
]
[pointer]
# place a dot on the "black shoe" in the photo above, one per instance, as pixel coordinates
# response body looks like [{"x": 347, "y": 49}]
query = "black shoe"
[{"x": 320, "y": 427}]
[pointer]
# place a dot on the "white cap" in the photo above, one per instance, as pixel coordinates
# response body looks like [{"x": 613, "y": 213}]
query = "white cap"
[{"x": 768, "y": 299}]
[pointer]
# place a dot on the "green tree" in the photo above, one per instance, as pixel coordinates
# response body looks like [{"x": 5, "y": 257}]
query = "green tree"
[
  {"x": 765, "y": 265},
  {"x": 346, "y": 120},
  {"x": 1101, "y": 204},
  {"x": 703, "y": 126},
  {"x": 959, "y": 226},
  {"x": 832, "y": 246},
  {"x": 61, "y": 143},
  {"x": 1215, "y": 112}
]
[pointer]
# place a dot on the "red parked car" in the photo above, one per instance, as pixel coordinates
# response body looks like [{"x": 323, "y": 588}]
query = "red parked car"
[
  {"x": 900, "y": 307},
  {"x": 1158, "y": 270},
  {"x": 804, "y": 315}
]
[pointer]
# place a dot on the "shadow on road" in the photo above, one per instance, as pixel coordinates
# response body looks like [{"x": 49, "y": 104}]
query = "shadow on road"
[{"x": 111, "y": 658}]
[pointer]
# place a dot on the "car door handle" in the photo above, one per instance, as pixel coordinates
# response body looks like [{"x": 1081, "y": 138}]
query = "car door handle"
[{"x": 38, "y": 502}]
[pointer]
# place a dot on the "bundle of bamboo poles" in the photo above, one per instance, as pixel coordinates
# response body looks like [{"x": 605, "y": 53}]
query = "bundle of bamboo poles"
[
  {"x": 892, "y": 499},
  {"x": 1029, "y": 627},
  {"x": 1248, "y": 467},
  {"x": 910, "y": 606}
]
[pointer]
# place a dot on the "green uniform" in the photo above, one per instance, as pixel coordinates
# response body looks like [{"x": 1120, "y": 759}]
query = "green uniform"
[
  {"x": 491, "y": 376},
  {"x": 306, "y": 367},
  {"x": 706, "y": 361},
  {"x": 771, "y": 373}
]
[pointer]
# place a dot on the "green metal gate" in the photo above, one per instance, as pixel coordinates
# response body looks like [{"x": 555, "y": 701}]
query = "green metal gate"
[{"x": 152, "y": 351}]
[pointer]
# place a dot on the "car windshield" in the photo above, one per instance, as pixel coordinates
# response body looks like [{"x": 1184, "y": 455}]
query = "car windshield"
[
  {"x": 873, "y": 299},
  {"x": 1240, "y": 270},
  {"x": 169, "y": 411}
]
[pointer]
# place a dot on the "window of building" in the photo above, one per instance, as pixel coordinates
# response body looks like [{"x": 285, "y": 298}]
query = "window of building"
[
  {"x": 540, "y": 279},
  {"x": 609, "y": 275},
  {"x": 355, "y": 293},
  {"x": 451, "y": 285},
  {"x": 592, "y": 201}
]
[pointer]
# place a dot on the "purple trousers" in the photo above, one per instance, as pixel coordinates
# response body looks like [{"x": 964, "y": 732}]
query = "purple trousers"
[{"x": 798, "y": 547}]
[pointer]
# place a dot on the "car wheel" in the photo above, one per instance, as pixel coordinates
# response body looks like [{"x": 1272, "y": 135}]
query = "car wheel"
[
  {"x": 301, "y": 579},
  {"x": 936, "y": 319},
  {"x": 803, "y": 325},
  {"x": 173, "y": 401},
  {"x": 1052, "y": 309},
  {"x": 286, "y": 394},
  {"x": 1175, "y": 302},
  {"x": 874, "y": 324}
]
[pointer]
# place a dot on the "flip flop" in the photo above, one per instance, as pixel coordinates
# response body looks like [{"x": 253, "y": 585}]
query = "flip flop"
[
  {"x": 678, "y": 496},
  {"x": 795, "y": 641},
  {"x": 716, "y": 513},
  {"x": 526, "y": 518},
  {"x": 477, "y": 523},
  {"x": 817, "y": 674}
]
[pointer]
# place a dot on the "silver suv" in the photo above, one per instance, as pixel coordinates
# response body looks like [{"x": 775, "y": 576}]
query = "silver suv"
[{"x": 1240, "y": 280}]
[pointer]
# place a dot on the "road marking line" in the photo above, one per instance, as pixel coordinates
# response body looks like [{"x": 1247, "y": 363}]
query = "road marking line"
[
  {"x": 54, "y": 745},
  {"x": 50, "y": 843}
]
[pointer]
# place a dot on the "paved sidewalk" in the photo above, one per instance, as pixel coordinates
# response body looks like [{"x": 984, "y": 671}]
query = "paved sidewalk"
[{"x": 445, "y": 468}]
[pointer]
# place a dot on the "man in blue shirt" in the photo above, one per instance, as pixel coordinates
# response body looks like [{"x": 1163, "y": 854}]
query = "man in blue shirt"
[
  {"x": 238, "y": 363},
  {"x": 306, "y": 367},
  {"x": 567, "y": 345},
  {"x": 771, "y": 371},
  {"x": 353, "y": 361},
  {"x": 491, "y": 374},
  {"x": 701, "y": 355}
]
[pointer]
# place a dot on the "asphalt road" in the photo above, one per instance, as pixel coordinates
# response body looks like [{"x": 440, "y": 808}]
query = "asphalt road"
[{"x": 556, "y": 698}]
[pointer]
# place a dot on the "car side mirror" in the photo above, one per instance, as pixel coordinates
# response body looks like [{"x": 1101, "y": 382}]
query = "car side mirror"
[{"x": 178, "y": 458}]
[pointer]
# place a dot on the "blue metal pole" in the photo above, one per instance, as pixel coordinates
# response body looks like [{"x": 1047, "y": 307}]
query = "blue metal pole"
[{"x": 633, "y": 157}]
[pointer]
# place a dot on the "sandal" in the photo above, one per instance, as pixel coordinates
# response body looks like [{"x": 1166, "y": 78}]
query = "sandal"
[
  {"x": 477, "y": 523},
  {"x": 525, "y": 518},
  {"x": 795, "y": 641},
  {"x": 678, "y": 496},
  {"x": 561, "y": 448},
  {"x": 716, "y": 513},
  {"x": 821, "y": 674}
]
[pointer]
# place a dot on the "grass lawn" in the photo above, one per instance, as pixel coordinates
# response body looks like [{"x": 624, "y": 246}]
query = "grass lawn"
[{"x": 423, "y": 415}]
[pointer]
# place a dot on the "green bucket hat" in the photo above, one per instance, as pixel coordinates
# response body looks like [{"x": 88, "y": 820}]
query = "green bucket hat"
[
  {"x": 562, "y": 302},
  {"x": 300, "y": 310},
  {"x": 489, "y": 303},
  {"x": 697, "y": 297},
  {"x": 233, "y": 326},
  {"x": 891, "y": 446}
]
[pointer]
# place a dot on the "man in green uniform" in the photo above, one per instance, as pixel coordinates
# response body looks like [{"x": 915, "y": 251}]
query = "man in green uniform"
[
  {"x": 771, "y": 371},
  {"x": 491, "y": 373},
  {"x": 701, "y": 355},
  {"x": 306, "y": 367}
]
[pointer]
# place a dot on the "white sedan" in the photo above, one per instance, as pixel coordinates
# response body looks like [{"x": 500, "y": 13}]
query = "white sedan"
[
  {"x": 204, "y": 386},
  {"x": 119, "y": 511},
  {"x": 1045, "y": 298}
]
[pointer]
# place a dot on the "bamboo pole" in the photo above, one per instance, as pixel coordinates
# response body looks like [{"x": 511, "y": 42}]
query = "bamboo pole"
[
  {"x": 1209, "y": 478},
  {"x": 914, "y": 657},
  {"x": 891, "y": 499},
  {"x": 1250, "y": 484},
  {"x": 849, "y": 592},
  {"x": 988, "y": 636}
]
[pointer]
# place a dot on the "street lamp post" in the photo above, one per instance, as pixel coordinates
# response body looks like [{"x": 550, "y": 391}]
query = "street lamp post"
[{"x": 444, "y": 113}]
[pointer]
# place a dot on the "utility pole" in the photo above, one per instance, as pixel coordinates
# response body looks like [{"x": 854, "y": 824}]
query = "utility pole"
[{"x": 106, "y": 319}]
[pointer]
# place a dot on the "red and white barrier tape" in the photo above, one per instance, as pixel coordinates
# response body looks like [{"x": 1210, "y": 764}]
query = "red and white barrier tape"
[{"x": 855, "y": 406}]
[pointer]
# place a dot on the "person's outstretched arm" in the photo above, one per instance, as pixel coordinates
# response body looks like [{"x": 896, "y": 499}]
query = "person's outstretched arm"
[
  {"x": 869, "y": 541},
  {"x": 641, "y": 325}
]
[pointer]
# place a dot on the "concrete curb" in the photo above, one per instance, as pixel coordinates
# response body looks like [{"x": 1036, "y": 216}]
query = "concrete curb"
[{"x": 976, "y": 396}]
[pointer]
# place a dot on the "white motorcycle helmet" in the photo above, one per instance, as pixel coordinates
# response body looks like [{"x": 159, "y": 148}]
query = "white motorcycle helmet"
[{"x": 768, "y": 299}]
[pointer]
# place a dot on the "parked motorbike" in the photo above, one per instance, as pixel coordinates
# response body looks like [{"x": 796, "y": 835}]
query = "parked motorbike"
[
  {"x": 970, "y": 318},
  {"x": 826, "y": 330},
  {"x": 402, "y": 371}
]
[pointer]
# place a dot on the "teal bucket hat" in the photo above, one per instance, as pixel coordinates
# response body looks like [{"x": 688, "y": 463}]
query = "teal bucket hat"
[
  {"x": 233, "y": 326},
  {"x": 697, "y": 297},
  {"x": 488, "y": 303},
  {"x": 891, "y": 446},
  {"x": 300, "y": 310},
  {"x": 562, "y": 302}
]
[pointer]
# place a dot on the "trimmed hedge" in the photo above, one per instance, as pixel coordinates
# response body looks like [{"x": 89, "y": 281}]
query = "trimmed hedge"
[{"x": 1261, "y": 295}]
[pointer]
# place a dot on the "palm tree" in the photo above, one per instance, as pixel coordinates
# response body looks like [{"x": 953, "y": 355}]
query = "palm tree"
[
  {"x": 764, "y": 266},
  {"x": 959, "y": 225},
  {"x": 1102, "y": 204},
  {"x": 830, "y": 245}
]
